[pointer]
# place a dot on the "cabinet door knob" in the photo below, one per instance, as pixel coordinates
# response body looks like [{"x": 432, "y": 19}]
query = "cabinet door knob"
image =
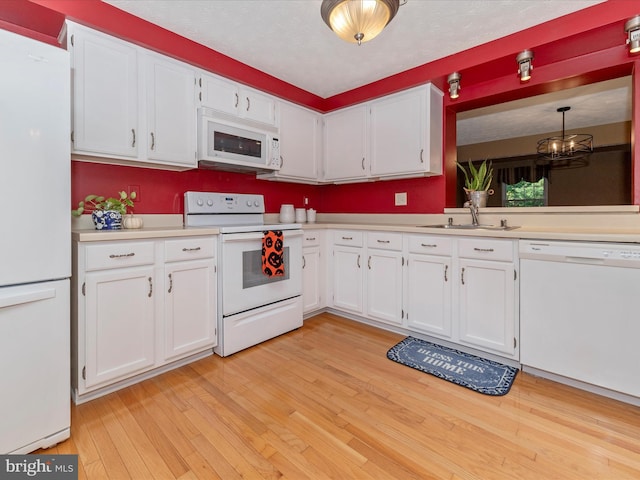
[
  {"x": 133, "y": 142},
  {"x": 150, "y": 287},
  {"x": 248, "y": 104},
  {"x": 358, "y": 261},
  {"x": 462, "y": 276},
  {"x": 170, "y": 284},
  {"x": 237, "y": 100},
  {"x": 421, "y": 155},
  {"x": 446, "y": 269},
  {"x": 153, "y": 140}
]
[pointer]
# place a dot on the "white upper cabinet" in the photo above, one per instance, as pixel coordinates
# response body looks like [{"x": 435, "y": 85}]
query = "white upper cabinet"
[
  {"x": 300, "y": 145},
  {"x": 171, "y": 115},
  {"x": 406, "y": 133},
  {"x": 234, "y": 99},
  {"x": 129, "y": 104},
  {"x": 105, "y": 94},
  {"x": 345, "y": 144},
  {"x": 397, "y": 136}
]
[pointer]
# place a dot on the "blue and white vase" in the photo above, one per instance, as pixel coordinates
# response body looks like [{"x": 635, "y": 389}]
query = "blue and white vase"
[{"x": 107, "y": 219}]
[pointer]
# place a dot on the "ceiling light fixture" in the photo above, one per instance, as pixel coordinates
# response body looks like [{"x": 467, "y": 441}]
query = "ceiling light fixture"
[
  {"x": 632, "y": 27},
  {"x": 565, "y": 146},
  {"x": 454, "y": 85},
  {"x": 358, "y": 21},
  {"x": 525, "y": 66}
]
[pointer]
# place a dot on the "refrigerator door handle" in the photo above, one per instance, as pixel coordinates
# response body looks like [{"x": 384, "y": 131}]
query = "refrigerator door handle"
[{"x": 10, "y": 300}]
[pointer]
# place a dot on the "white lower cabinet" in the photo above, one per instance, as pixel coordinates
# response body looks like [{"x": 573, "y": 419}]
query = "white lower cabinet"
[
  {"x": 463, "y": 290},
  {"x": 138, "y": 306},
  {"x": 428, "y": 291},
  {"x": 384, "y": 277},
  {"x": 120, "y": 324},
  {"x": 488, "y": 309},
  {"x": 313, "y": 271},
  {"x": 347, "y": 272},
  {"x": 190, "y": 297}
]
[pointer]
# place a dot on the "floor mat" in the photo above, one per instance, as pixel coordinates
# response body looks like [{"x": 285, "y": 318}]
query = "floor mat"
[{"x": 479, "y": 374}]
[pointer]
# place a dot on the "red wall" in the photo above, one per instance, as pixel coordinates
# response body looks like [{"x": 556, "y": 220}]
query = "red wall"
[
  {"x": 161, "y": 191},
  {"x": 580, "y": 48}
]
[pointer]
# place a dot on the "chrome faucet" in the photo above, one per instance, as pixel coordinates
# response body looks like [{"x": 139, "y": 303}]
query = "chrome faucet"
[{"x": 474, "y": 214}]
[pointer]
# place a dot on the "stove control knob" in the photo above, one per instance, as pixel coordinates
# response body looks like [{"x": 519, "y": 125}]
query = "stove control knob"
[
  {"x": 200, "y": 202},
  {"x": 210, "y": 202},
  {"x": 248, "y": 203},
  {"x": 256, "y": 203}
]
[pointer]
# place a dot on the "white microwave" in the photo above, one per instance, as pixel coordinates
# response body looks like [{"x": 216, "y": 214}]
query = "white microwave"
[{"x": 229, "y": 143}]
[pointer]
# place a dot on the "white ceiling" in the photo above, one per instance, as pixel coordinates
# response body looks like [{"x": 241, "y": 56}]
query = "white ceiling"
[{"x": 289, "y": 40}]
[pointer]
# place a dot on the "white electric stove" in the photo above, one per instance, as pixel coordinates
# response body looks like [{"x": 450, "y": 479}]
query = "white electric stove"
[{"x": 252, "y": 307}]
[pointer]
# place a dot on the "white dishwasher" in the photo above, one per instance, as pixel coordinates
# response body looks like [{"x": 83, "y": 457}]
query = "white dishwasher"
[{"x": 580, "y": 312}]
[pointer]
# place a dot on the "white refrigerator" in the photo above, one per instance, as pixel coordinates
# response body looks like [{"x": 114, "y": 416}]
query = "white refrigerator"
[{"x": 35, "y": 244}]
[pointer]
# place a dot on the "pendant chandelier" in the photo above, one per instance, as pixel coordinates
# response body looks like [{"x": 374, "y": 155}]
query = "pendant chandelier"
[
  {"x": 358, "y": 21},
  {"x": 565, "y": 147}
]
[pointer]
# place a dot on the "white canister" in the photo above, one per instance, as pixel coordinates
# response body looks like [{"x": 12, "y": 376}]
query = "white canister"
[
  {"x": 301, "y": 215},
  {"x": 287, "y": 213},
  {"x": 311, "y": 215}
]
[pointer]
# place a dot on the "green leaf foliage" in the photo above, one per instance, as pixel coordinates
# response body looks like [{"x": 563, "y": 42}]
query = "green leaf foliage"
[
  {"x": 478, "y": 179},
  {"x": 98, "y": 202}
]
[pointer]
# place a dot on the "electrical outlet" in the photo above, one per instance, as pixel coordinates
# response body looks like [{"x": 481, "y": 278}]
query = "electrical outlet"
[
  {"x": 401, "y": 199},
  {"x": 305, "y": 201},
  {"x": 134, "y": 188}
]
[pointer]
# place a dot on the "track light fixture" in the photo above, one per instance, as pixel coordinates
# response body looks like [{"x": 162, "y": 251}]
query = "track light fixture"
[
  {"x": 632, "y": 27},
  {"x": 454, "y": 85},
  {"x": 525, "y": 66}
]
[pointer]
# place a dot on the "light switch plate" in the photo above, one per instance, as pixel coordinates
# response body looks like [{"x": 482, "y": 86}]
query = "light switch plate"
[{"x": 401, "y": 199}]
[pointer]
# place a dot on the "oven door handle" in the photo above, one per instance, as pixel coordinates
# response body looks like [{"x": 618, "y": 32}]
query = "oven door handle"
[{"x": 241, "y": 237}]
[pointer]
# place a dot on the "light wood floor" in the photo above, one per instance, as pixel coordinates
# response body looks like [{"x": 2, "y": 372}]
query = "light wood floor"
[{"x": 325, "y": 402}]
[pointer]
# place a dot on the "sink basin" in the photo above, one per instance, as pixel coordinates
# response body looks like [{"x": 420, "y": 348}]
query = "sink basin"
[{"x": 469, "y": 226}]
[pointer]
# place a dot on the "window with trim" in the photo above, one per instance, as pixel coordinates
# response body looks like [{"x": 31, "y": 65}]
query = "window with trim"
[{"x": 525, "y": 194}]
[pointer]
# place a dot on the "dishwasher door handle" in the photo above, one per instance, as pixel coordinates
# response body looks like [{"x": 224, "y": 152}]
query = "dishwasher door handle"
[{"x": 585, "y": 260}]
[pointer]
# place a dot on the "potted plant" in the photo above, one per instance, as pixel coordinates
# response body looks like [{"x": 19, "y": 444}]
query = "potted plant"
[
  {"x": 106, "y": 213},
  {"x": 477, "y": 182}
]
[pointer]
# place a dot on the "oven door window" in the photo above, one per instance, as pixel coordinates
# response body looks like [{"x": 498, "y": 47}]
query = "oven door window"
[{"x": 252, "y": 275}]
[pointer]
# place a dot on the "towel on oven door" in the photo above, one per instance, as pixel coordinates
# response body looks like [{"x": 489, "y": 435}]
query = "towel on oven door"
[{"x": 273, "y": 253}]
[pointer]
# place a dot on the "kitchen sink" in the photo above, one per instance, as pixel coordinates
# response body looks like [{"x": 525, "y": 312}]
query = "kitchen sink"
[{"x": 469, "y": 226}]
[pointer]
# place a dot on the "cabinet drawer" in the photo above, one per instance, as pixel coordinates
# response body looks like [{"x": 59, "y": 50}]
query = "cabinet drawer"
[
  {"x": 490, "y": 249},
  {"x": 346, "y": 237},
  {"x": 118, "y": 255},
  {"x": 189, "y": 248},
  {"x": 430, "y": 245},
  {"x": 384, "y": 240},
  {"x": 311, "y": 238}
]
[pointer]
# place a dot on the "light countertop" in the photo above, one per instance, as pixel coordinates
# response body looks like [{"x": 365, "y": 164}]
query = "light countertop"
[{"x": 598, "y": 226}]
